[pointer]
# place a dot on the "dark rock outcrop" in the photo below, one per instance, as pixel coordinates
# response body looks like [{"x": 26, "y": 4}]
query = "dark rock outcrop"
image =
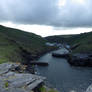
[
  {"x": 64, "y": 55},
  {"x": 81, "y": 60},
  {"x": 39, "y": 63}
]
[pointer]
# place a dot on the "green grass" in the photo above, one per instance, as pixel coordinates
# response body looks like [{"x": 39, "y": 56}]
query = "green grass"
[
  {"x": 84, "y": 39},
  {"x": 12, "y": 39},
  {"x": 43, "y": 89},
  {"x": 3, "y": 60},
  {"x": 52, "y": 90},
  {"x": 6, "y": 85},
  {"x": 29, "y": 41}
]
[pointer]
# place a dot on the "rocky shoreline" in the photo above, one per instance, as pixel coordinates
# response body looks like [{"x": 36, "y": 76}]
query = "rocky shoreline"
[
  {"x": 31, "y": 59},
  {"x": 77, "y": 59},
  {"x": 25, "y": 70},
  {"x": 81, "y": 59},
  {"x": 14, "y": 78}
]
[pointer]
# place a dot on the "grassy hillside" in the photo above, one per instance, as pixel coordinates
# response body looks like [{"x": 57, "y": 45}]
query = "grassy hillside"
[
  {"x": 14, "y": 44},
  {"x": 8, "y": 51},
  {"x": 29, "y": 41},
  {"x": 58, "y": 38},
  {"x": 84, "y": 39}
]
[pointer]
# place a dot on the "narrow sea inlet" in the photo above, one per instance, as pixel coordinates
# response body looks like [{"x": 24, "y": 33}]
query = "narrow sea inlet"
[{"x": 63, "y": 76}]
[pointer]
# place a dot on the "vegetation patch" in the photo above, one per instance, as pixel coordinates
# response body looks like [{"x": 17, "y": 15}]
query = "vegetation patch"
[
  {"x": 6, "y": 85},
  {"x": 14, "y": 44},
  {"x": 84, "y": 39},
  {"x": 45, "y": 89}
]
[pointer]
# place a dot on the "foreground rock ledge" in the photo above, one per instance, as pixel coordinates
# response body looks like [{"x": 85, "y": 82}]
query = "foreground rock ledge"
[
  {"x": 89, "y": 89},
  {"x": 17, "y": 82}
]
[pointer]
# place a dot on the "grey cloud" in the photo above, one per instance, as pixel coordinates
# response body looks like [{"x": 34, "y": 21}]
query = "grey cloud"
[{"x": 46, "y": 12}]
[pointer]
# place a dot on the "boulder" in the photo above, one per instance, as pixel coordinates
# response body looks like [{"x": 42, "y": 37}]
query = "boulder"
[
  {"x": 89, "y": 89},
  {"x": 17, "y": 82},
  {"x": 5, "y": 67}
]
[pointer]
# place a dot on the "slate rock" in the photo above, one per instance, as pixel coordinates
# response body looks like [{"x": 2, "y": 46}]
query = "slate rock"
[{"x": 17, "y": 82}]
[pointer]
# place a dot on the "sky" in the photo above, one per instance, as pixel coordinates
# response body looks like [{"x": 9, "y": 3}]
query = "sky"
[{"x": 47, "y": 17}]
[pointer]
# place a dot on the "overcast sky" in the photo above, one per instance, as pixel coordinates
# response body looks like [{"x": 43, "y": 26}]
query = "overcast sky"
[{"x": 47, "y": 17}]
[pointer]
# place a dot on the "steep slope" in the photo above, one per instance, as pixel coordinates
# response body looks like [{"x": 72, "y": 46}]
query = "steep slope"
[
  {"x": 17, "y": 45},
  {"x": 59, "y": 38},
  {"x": 9, "y": 51},
  {"x": 84, "y": 39},
  {"x": 27, "y": 40}
]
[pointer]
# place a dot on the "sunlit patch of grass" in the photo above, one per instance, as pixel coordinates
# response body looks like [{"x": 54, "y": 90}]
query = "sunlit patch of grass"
[
  {"x": 84, "y": 48},
  {"x": 42, "y": 89},
  {"x": 6, "y": 85},
  {"x": 3, "y": 60},
  {"x": 52, "y": 90}
]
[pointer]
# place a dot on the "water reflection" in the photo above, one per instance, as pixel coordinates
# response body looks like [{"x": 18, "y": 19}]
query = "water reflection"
[{"x": 63, "y": 76}]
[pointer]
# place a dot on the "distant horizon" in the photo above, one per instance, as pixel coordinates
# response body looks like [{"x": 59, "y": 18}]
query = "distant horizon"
[
  {"x": 47, "y": 17},
  {"x": 48, "y": 30}
]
